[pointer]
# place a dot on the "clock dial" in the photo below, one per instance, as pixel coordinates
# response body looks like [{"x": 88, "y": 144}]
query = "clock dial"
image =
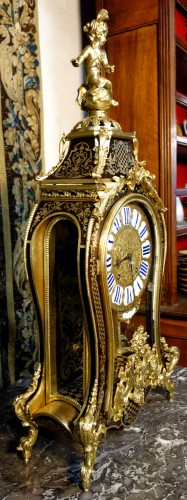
[{"x": 128, "y": 258}]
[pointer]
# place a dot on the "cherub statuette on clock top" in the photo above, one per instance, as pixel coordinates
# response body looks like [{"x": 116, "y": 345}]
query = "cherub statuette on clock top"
[{"x": 94, "y": 252}]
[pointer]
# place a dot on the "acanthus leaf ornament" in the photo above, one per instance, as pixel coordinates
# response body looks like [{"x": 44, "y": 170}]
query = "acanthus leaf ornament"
[
  {"x": 143, "y": 371},
  {"x": 90, "y": 434},
  {"x": 111, "y": 189},
  {"x": 138, "y": 176},
  {"x": 101, "y": 152},
  {"x": 21, "y": 408}
]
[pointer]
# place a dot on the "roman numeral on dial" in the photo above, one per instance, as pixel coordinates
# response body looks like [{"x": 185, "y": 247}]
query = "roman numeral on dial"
[
  {"x": 111, "y": 282},
  {"x": 146, "y": 248},
  {"x": 128, "y": 295},
  {"x": 110, "y": 241},
  {"x": 116, "y": 225},
  {"x": 138, "y": 285},
  {"x": 143, "y": 269},
  {"x": 117, "y": 295},
  {"x": 136, "y": 218},
  {"x": 108, "y": 262},
  {"x": 143, "y": 231},
  {"x": 126, "y": 215}
]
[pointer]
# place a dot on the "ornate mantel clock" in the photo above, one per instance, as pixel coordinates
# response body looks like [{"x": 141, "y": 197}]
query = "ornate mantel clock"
[{"x": 94, "y": 253}]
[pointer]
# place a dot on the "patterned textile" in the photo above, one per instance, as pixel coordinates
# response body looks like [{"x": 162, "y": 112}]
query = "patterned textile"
[{"x": 19, "y": 164}]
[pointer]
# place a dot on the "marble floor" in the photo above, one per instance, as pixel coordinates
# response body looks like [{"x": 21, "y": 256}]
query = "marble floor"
[{"x": 146, "y": 462}]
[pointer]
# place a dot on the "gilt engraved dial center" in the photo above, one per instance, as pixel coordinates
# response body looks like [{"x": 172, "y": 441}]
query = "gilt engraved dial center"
[{"x": 126, "y": 255}]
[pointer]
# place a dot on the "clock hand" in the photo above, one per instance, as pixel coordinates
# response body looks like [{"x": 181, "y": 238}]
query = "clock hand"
[
  {"x": 127, "y": 257},
  {"x": 120, "y": 261},
  {"x": 131, "y": 268},
  {"x": 130, "y": 262}
]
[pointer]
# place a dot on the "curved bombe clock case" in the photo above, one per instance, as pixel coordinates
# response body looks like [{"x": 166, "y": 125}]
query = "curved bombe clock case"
[{"x": 94, "y": 253}]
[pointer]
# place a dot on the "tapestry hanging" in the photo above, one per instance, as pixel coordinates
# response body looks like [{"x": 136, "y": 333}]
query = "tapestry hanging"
[{"x": 20, "y": 163}]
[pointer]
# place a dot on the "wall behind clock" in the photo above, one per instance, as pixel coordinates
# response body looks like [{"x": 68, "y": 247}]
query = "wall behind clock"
[{"x": 60, "y": 41}]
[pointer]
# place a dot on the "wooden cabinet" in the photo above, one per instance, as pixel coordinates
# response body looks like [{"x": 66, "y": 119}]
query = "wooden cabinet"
[{"x": 151, "y": 65}]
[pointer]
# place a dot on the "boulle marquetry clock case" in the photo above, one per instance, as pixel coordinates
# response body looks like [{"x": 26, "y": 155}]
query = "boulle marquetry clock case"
[{"x": 94, "y": 252}]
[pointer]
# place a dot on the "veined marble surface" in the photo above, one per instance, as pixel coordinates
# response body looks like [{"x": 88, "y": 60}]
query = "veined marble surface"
[{"x": 146, "y": 462}]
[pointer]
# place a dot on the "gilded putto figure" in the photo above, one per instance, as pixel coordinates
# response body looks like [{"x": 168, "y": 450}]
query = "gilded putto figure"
[{"x": 96, "y": 93}]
